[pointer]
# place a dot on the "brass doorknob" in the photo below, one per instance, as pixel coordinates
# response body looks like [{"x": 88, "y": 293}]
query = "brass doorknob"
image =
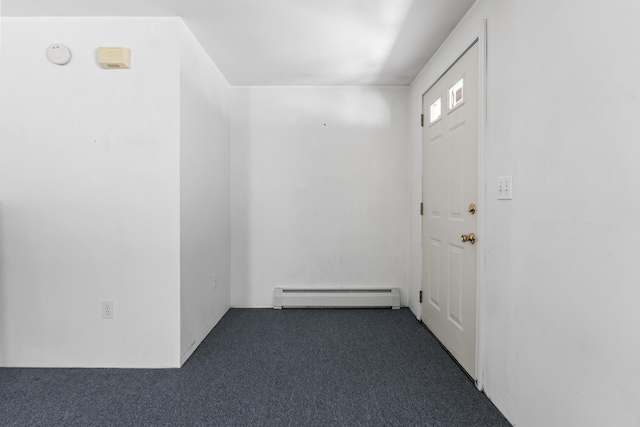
[{"x": 468, "y": 238}]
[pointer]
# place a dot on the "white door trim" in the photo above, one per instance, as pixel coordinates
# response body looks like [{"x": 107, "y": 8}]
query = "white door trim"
[
  {"x": 481, "y": 38},
  {"x": 482, "y": 199}
]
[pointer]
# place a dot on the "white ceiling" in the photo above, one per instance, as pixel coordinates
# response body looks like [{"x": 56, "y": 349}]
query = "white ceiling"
[{"x": 293, "y": 42}]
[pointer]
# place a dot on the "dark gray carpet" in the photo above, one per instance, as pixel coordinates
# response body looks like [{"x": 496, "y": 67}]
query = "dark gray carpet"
[{"x": 263, "y": 367}]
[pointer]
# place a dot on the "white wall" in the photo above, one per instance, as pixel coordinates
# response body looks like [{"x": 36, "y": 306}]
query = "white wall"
[
  {"x": 89, "y": 190},
  {"x": 560, "y": 318},
  {"x": 319, "y": 189},
  {"x": 204, "y": 193}
]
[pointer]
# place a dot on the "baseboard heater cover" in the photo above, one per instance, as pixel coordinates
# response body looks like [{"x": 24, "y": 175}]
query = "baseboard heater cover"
[{"x": 318, "y": 298}]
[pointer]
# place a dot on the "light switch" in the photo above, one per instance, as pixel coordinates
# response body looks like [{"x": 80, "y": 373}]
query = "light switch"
[{"x": 505, "y": 188}]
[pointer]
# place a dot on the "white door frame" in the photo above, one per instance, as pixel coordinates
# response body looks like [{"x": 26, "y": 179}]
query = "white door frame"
[{"x": 481, "y": 38}]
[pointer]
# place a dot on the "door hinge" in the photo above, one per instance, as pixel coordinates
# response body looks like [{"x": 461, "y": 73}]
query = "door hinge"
[
  {"x": 422, "y": 120},
  {"x": 421, "y": 208},
  {"x": 420, "y": 296}
]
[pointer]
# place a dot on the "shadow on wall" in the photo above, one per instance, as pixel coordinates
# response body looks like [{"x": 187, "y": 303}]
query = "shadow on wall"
[{"x": 322, "y": 109}]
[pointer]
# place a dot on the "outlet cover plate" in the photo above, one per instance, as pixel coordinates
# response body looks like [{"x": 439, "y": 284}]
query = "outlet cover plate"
[{"x": 107, "y": 309}]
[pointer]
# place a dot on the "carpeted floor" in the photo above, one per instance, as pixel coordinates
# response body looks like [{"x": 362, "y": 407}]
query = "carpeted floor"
[{"x": 264, "y": 367}]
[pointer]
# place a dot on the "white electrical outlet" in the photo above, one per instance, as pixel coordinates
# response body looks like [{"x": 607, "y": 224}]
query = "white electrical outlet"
[
  {"x": 107, "y": 309},
  {"x": 505, "y": 188},
  {"x": 215, "y": 281}
]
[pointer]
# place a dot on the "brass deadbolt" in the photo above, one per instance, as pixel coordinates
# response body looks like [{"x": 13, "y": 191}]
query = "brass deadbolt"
[
  {"x": 472, "y": 208},
  {"x": 471, "y": 238}
]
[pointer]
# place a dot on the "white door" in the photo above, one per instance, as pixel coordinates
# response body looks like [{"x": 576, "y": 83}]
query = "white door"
[{"x": 449, "y": 189}]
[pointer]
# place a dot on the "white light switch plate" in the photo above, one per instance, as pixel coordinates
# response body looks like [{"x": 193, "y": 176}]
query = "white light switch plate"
[{"x": 505, "y": 188}]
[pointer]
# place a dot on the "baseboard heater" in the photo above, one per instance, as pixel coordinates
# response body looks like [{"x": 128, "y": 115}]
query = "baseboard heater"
[{"x": 378, "y": 297}]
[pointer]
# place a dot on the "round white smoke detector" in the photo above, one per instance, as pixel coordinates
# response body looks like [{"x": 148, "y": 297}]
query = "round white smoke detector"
[{"x": 58, "y": 54}]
